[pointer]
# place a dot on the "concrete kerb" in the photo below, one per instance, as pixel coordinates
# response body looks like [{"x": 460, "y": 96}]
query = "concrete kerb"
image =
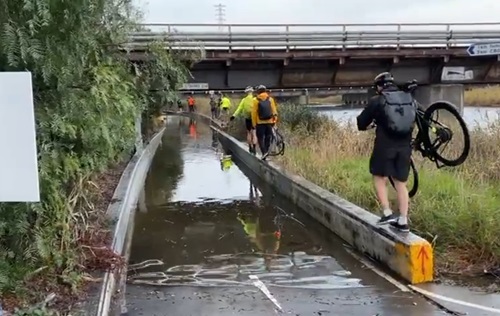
[
  {"x": 407, "y": 255},
  {"x": 120, "y": 212}
]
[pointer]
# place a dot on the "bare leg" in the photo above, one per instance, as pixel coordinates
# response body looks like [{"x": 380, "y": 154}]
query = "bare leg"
[
  {"x": 381, "y": 190},
  {"x": 403, "y": 201}
]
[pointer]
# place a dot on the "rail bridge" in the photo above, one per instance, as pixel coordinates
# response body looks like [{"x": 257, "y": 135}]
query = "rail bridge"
[{"x": 329, "y": 56}]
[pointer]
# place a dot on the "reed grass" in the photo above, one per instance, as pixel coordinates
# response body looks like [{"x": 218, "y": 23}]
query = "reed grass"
[{"x": 483, "y": 96}]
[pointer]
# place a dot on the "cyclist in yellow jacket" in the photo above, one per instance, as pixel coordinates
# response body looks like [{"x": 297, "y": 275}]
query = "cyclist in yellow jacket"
[
  {"x": 245, "y": 109},
  {"x": 225, "y": 103},
  {"x": 264, "y": 116}
]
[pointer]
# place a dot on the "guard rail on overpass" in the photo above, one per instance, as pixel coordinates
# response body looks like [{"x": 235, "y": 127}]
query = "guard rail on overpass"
[
  {"x": 331, "y": 55},
  {"x": 312, "y": 36}
]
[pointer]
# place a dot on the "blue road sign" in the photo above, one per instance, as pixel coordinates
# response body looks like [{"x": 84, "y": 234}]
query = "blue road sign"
[{"x": 484, "y": 49}]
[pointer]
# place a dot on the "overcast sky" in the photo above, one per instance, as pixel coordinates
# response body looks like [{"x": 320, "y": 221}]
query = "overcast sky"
[{"x": 321, "y": 11}]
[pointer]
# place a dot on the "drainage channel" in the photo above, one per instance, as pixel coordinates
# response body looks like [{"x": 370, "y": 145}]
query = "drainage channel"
[{"x": 210, "y": 241}]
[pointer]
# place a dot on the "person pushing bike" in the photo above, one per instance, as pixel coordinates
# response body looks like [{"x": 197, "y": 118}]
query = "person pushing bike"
[
  {"x": 245, "y": 108},
  {"x": 264, "y": 116},
  {"x": 394, "y": 113}
]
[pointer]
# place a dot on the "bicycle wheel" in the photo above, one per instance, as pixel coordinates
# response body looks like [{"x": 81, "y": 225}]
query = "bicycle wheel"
[
  {"x": 277, "y": 144},
  {"x": 413, "y": 176},
  {"x": 444, "y": 134}
]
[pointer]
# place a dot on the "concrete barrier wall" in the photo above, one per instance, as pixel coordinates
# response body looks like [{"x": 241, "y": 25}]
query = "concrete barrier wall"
[
  {"x": 408, "y": 255},
  {"x": 120, "y": 212}
]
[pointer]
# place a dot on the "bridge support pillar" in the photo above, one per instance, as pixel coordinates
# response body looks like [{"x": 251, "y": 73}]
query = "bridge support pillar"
[
  {"x": 453, "y": 93},
  {"x": 304, "y": 98}
]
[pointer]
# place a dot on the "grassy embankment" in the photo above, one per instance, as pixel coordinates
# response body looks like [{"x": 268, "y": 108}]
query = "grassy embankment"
[
  {"x": 458, "y": 209},
  {"x": 483, "y": 96}
]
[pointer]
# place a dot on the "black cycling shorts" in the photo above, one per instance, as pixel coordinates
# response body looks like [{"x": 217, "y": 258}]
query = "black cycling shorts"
[
  {"x": 391, "y": 162},
  {"x": 248, "y": 124}
]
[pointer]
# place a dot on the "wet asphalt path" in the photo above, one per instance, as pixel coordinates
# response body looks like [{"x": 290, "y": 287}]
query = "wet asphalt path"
[{"x": 204, "y": 236}]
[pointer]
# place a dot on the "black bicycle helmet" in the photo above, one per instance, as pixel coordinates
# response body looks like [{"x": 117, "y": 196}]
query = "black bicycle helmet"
[
  {"x": 383, "y": 79},
  {"x": 261, "y": 88}
]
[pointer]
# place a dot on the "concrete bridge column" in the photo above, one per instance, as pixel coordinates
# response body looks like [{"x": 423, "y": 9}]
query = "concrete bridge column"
[
  {"x": 453, "y": 93},
  {"x": 304, "y": 98}
]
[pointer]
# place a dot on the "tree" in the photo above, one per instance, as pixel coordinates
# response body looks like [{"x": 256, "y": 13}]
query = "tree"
[{"x": 86, "y": 101}]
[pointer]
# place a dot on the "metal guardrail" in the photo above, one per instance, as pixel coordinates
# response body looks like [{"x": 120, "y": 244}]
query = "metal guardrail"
[
  {"x": 286, "y": 91},
  {"x": 305, "y": 36}
]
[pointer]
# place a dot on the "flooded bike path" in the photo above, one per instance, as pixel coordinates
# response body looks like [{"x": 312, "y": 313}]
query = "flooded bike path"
[{"x": 208, "y": 241}]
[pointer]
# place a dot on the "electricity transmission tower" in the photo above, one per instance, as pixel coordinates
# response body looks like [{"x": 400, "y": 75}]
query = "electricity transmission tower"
[{"x": 220, "y": 14}]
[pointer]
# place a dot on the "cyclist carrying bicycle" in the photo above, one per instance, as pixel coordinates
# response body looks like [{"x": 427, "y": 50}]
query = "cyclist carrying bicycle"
[
  {"x": 394, "y": 112},
  {"x": 245, "y": 109}
]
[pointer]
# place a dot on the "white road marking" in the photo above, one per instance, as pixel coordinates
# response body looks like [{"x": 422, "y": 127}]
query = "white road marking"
[
  {"x": 452, "y": 300},
  {"x": 261, "y": 286},
  {"x": 408, "y": 288},
  {"x": 384, "y": 275}
]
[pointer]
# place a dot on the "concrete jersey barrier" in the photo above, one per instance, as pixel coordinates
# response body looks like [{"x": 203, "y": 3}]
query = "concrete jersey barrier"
[{"x": 408, "y": 255}]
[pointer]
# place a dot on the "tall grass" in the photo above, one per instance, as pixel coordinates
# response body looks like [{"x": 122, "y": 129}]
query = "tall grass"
[
  {"x": 458, "y": 208},
  {"x": 483, "y": 96}
]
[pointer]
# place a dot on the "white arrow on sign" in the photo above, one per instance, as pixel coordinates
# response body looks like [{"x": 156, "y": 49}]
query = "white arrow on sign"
[{"x": 484, "y": 49}]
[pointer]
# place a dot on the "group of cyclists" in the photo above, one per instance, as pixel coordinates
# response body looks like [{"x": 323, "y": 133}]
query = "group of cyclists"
[
  {"x": 259, "y": 112},
  {"x": 392, "y": 112}
]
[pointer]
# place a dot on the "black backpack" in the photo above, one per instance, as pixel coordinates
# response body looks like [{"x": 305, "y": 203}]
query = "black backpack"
[
  {"x": 264, "y": 109},
  {"x": 400, "y": 112}
]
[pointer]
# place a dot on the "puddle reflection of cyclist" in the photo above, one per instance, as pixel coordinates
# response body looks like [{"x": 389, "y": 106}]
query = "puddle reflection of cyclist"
[
  {"x": 192, "y": 128},
  {"x": 215, "y": 139},
  {"x": 254, "y": 194},
  {"x": 226, "y": 162},
  {"x": 263, "y": 228}
]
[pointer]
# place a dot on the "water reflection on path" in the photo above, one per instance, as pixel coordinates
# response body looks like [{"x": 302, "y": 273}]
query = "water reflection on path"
[
  {"x": 213, "y": 245},
  {"x": 203, "y": 225}
]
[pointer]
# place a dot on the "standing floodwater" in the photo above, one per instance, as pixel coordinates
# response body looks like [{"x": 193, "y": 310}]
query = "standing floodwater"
[{"x": 208, "y": 241}]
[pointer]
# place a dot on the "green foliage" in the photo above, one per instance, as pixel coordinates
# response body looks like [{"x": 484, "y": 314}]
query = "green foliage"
[
  {"x": 295, "y": 116},
  {"x": 87, "y": 98},
  {"x": 38, "y": 311}
]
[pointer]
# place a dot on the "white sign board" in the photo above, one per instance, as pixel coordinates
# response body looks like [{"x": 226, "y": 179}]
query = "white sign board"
[
  {"x": 456, "y": 74},
  {"x": 194, "y": 86},
  {"x": 18, "y": 161},
  {"x": 484, "y": 49}
]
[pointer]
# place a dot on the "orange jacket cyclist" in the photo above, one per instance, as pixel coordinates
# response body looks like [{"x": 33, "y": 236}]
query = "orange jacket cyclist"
[
  {"x": 191, "y": 103},
  {"x": 264, "y": 116}
]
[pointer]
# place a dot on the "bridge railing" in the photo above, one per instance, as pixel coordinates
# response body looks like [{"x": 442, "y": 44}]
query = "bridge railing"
[{"x": 304, "y": 36}]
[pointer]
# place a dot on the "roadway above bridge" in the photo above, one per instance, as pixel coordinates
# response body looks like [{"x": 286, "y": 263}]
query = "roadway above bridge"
[{"x": 319, "y": 55}]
